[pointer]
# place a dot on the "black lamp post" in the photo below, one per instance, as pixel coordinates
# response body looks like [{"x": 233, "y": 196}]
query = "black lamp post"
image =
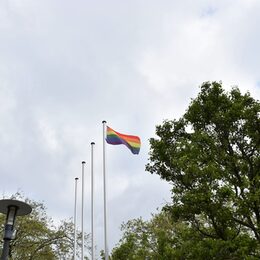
[{"x": 11, "y": 208}]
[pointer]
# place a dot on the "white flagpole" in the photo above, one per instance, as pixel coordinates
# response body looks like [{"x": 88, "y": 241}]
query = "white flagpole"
[
  {"x": 92, "y": 202},
  {"x": 104, "y": 180},
  {"x": 75, "y": 219},
  {"x": 82, "y": 213}
]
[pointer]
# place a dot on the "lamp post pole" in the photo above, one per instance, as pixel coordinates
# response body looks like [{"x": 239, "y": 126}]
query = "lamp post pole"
[
  {"x": 9, "y": 230},
  {"x": 11, "y": 208},
  {"x": 5, "y": 252}
]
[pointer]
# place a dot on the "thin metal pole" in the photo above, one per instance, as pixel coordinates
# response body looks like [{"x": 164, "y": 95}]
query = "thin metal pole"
[
  {"x": 75, "y": 218},
  {"x": 92, "y": 202},
  {"x": 82, "y": 213},
  {"x": 104, "y": 181}
]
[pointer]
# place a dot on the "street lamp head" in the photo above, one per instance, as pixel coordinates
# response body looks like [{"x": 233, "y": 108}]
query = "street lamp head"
[
  {"x": 21, "y": 207},
  {"x": 11, "y": 208}
]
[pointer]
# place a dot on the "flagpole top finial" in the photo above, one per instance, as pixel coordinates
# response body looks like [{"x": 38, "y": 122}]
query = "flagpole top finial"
[
  {"x": 76, "y": 178},
  {"x": 92, "y": 143},
  {"x": 104, "y": 121},
  {"x": 83, "y": 162}
]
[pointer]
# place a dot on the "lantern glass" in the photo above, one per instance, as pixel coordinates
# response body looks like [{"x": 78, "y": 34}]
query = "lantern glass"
[{"x": 11, "y": 215}]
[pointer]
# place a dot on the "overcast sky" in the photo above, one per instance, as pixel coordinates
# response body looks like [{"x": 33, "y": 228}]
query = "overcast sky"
[{"x": 67, "y": 65}]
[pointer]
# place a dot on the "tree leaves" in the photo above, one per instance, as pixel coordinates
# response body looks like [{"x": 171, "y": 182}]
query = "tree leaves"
[{"x": 211, "y": 156}]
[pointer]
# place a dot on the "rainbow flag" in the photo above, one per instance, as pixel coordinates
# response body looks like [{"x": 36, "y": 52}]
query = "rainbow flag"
[{"x": 131, "y": 141}]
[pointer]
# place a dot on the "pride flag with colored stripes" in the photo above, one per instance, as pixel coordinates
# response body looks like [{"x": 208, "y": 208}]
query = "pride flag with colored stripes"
[{"x": 131, "y": 141}]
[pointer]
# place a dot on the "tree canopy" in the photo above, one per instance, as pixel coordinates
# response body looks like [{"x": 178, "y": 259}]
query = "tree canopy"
[
  {"x": 161, "y": 238},
  {"x": 211, "y": 157},
  {"x": 141, "y": 239}
]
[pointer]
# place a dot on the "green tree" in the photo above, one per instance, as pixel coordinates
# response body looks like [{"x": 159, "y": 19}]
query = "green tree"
[
  {"x": 162, "y": 238},
  {"x": 38, "y": 238},
  {"x": 141, "y": 239},
  {"x": 211, "y": 158}
]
